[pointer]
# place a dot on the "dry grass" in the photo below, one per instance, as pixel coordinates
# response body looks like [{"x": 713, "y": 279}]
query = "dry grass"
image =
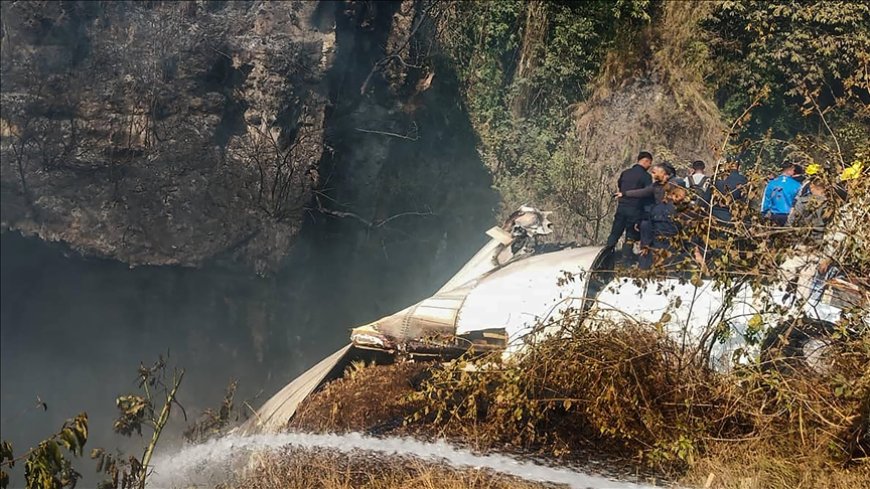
[
  {"x": 332, "y": 470},
  {"x": 807, "y": 430},
  {"x": 625, "y": 389},
  {"x": 757, "y": 464},
  {"x": 370, "y": 399},
  {"x": 653, "y": 83},
  {"x": 627, "y": 393}
]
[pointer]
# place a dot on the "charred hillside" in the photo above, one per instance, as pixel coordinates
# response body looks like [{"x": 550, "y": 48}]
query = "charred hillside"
[
  {"x": 163, "y": 133},
  {"x": 166, "y": 133}
]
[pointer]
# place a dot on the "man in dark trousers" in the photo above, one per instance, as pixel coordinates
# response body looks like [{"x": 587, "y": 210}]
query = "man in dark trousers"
[{"x": 629, "y": 210}]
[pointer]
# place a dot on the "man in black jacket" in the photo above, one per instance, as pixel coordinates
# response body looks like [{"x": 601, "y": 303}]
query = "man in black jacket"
[
  {"x": 729, "y": 187},
  {"x": 661, "y": 174},
  {"x": 629, "y": 210}
]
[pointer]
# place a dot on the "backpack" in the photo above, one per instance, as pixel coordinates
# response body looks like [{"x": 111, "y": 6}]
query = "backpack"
[{"x": 701, "y": 189}]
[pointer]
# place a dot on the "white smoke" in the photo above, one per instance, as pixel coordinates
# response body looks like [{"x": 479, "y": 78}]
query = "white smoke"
[{"x": 217, "y": 460}]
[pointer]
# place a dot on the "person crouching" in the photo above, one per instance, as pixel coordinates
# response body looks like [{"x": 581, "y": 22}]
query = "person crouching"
[{"x": 657, "y": 234}]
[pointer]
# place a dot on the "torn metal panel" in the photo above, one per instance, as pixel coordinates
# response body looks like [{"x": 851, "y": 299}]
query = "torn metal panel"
[{"x": 274, "y": 415}]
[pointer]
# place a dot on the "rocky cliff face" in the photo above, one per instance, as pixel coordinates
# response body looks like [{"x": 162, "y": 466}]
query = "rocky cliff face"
[
  {"x": 163, "y": 133},
  {"x": 184, "y": 133}
]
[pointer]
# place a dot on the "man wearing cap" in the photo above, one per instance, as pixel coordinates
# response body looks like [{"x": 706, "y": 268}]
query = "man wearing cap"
[{"x": 779, "y": 195}]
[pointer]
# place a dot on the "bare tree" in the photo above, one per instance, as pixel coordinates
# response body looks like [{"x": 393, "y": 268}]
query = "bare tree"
[{"x": 282, "y": 181}]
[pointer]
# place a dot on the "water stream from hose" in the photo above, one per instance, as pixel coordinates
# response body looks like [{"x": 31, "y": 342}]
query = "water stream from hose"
[{"x": 217, "y": 460}]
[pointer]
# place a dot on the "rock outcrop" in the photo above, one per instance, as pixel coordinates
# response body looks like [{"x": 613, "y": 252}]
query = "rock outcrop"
[
  {"x": 163, "y": 133},
  {"x": 167, "y": 133},
  {"x": 644, "y": 113}
]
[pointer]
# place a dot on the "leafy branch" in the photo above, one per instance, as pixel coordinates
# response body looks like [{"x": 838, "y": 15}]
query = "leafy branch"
[
  {"x": 45, "y": 466},
  {"x": 152, "y": 409}
]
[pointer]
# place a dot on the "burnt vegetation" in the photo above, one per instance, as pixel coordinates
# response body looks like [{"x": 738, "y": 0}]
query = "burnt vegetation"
[{"x": 153, "y": 106}]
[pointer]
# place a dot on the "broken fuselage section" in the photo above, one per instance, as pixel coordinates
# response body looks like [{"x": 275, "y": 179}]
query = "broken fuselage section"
[
  {"x": 514, "y": 290},
  {"x": 507, "y": 287}
]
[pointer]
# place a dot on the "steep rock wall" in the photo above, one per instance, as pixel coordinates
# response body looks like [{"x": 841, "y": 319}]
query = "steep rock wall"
[{"x": 163, "y": 133}]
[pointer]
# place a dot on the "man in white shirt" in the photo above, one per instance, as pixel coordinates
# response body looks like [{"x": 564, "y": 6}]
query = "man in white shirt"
[{"x": 699, "y": 183}]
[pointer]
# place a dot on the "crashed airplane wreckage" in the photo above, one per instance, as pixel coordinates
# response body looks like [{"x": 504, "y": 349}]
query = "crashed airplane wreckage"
[{"x": 513, "y": 288}]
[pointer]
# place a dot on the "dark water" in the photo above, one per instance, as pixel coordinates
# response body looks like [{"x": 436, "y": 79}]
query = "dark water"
[{"x": 74, "y": 329}]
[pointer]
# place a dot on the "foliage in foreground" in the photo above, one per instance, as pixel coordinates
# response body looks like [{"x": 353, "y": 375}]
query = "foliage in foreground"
[
  {"x": 47, "y": 468},
  {"x": 631, "y": 388},
  {"x": 622, "y": 395}
]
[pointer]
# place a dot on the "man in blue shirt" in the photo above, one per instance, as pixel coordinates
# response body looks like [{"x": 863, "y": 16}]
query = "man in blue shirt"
[{"x": 779, "y": 195}]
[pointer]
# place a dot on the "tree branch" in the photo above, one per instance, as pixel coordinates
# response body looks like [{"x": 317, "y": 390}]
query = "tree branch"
[
  {"x": 830, "y": 131},
  {"x": 369, "y": 224},
  {"x": 385, "y": 133}
]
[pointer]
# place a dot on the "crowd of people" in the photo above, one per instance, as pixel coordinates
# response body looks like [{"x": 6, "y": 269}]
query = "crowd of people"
[{"x": 654, "y": 203}]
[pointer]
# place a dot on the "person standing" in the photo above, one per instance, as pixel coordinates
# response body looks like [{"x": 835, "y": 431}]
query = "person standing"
[
  {"x": 810, "y": 212},
  {"x": 660, "y": 175},
  {"x": 779, "y": 195},
  {"x": 629, "y": 210},
  {"x": 699, "y": 184},
  {"x": 730, "y": 190}
]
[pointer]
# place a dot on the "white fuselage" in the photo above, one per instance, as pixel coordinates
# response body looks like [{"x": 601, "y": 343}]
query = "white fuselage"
[{"x": 533, "y": 292}]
